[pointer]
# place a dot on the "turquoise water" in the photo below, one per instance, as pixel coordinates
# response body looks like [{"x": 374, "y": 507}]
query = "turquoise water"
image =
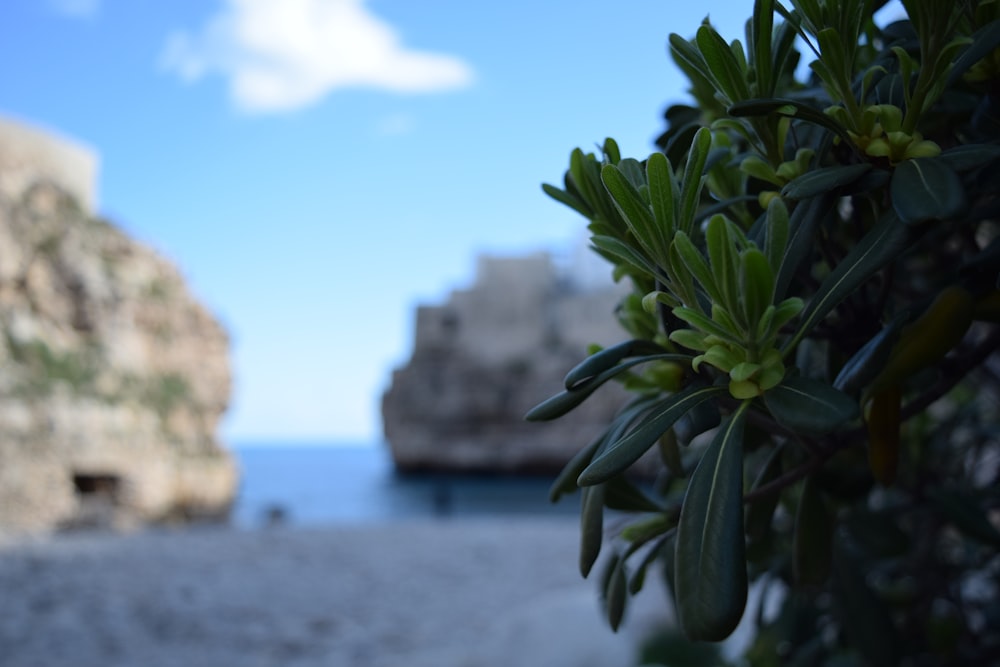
[{"x": 319, "y": 485}]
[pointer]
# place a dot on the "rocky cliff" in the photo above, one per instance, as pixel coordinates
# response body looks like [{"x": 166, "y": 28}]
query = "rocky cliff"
[
  {"x": 488, "y": 355},
  {"x": 113, "y": 377}
]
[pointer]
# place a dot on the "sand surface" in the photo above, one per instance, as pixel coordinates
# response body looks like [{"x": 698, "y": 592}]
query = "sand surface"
[{"x": 444, "y": 593}]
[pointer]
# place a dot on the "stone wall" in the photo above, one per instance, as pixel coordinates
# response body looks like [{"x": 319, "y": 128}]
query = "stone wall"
[
  {"x": 484, "y": 358},
  {"x": 114, "y": 377}
]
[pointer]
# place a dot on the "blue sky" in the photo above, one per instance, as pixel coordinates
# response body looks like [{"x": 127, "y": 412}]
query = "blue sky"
[{"x": 317, "y": 168}]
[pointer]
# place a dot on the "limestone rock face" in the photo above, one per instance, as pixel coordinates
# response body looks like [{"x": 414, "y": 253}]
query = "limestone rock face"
[
  {"x": 489, "y": 355},
  {"x": 113, "y": 377}
]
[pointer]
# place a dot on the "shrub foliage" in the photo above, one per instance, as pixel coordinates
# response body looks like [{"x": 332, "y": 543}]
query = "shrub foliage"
[{"x": 813, "y": 325}]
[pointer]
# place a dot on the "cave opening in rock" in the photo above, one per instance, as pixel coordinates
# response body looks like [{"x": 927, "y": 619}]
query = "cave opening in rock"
[{"x": 104, "y": 486}]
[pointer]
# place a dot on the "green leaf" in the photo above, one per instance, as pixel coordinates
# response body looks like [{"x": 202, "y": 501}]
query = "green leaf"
[
  {"x": 834, "y": 59},
  {"x": 591, "y": 526},
  {"x": 670, "y": 453},
  {"x": 621, "y": 494},
  {"x": 867, "y": 362},
  {"x": 806, "y": 218},
  {"x": 761, "y": 511},
  {"x": 565, "y": 482},
  {"x": 776, "y": 226},
  {"x": 662, "y": 186},
  {"x": 812, "y": 548},
  {"x": 693, "y": 178},
  {"x": 616, "y": 593},
  {"x": 567, "y": 199},
  {"x": 827, "y": 179},
  {"x": 558, "y": 405},
  {"x": 647, "y": 528},
  {"x": 790, "y": 109},
  {"x": 625, "y": 253},
  {"x": 622, "y": 453},
  {"x": 607, "y": 358},
  {"x": 580, "y": 165},
  {"x": 926, "y": 189},
  {"x": 724, "y": 262},
  {"x": 877, "y": 248},
  {"x": 697, "y": 319},
  {"x": 756, "y": 283},
  {"x": 970, "y": 156},
  {"x": 681, "y": 280},
  {"x": 809, "y": 406},
  {"x": 696, "y": 264},
  {"x": 653, "y": 554},
  {"x": 611, "y": 151},
  {"x": 565, "y": 401},
  {"x": 984, "y": 41},
  {"x": 760, "y": 44},
  {"x": 726, "y": 70},
  {"x": 685, "y": 52},
  {"x": 710, "y": 575},
  {"x": 634, "y": 211}
]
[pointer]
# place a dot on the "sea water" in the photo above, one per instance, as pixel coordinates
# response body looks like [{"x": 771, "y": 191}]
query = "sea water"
[{"x": 314, "y": 485}]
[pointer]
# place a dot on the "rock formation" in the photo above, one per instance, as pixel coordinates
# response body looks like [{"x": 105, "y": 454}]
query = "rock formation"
[
  {"x": 483, "y": 359},
  {"x": 113, "y": 377}
]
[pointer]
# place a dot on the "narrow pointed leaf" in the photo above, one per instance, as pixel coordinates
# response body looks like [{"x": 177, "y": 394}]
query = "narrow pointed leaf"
[
  {"x": 756, "y": 283},
  {"x": 621, "y": 494},
  {"x": 693, "y": 178},
  {"x": 790, "y": 109},
  {"x": 633, "y": 209},
  {"x": 802, "y": 227},
  {"x": 984, "y": 41},
  {"x": 624, "y": 253},
  {"x": 710, "y": 576},
  {"x": 879, "y": 247},
  {"x": 812, "y": 548},
  {"x": 684, "y": 51},
  {"x": 760, "y": 513},
  {"x": 726, "y": 70},
  {"x": 707, "y": 325},
  {"x": 926, "y": 189},
  {"x": 616, "y": 594},
  {"x": 761, "y": 34},
  {"x": 827, "y": 179},
  {"x": 697, "y": 266},
  {"x": 809, "y": 406},
  {"x": 565, "y": 482},
  {"x": 567, "y": 199},
  {"x": 776, "y": 226},
  {"x": 621, "y": 454},
  {"x": 660, "y": 178},
  {"x": 970, "y": 156},
  {"x": 608, "y": 357},
  {"x": 558, "y": 405},
  {"x": 722, "y": 254},
  {"x": 591, "y": 526},
  {"x": 868, "y": 361},
  {"x": 565, "y": 401}
]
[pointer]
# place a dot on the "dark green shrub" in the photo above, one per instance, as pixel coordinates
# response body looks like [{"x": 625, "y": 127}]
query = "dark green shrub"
[{"x": 815, "y": 271}]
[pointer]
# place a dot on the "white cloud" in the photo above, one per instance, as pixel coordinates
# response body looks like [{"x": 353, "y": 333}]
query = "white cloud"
[
  {"x": 76, "y": 8},
  {"x": 285, "y": 55}
]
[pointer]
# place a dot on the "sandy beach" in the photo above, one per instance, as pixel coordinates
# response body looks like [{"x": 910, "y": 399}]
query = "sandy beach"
[{"x": 442, "y": 593}]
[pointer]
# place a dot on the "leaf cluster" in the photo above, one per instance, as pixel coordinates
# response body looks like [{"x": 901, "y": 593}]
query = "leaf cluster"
[{"x": 814, "y": 264}]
